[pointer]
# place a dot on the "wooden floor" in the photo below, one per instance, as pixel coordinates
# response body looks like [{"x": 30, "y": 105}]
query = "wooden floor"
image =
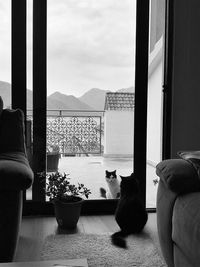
[{"x": 34, "y": 230}]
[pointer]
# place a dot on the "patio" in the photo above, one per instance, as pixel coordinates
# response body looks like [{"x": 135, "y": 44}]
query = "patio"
[
  {"x": 91, "y": 172},
  {"x": 80, "y": 137}
]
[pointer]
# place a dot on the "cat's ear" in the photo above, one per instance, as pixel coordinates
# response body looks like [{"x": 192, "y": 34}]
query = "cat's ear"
[
  {"x": 106, "y": 172},
  {"x": 122, "y": 177},
  {"x": 114, "y": 171}
]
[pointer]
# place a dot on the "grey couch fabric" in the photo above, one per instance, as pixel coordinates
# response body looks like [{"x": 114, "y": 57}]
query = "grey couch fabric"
[
  {"x": 15, "y": 176},
  {"x": 178, "y": 213}
]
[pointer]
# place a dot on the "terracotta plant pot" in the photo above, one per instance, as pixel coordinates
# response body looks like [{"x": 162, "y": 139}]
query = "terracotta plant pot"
[{"x": 68, "y": 213}]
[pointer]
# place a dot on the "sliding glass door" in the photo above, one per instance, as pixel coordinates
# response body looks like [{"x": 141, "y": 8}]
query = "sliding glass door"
[
  {"x": 91, "y": 89},
  {"x": 5, "y": 52},
  {"x": 155, "y": 96},
  {"x": 96, "y": 94}
]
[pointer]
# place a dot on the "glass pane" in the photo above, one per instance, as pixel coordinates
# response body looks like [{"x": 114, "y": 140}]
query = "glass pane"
[
  {"x": 155, "y": 101},
  {"x": 5, "y": 52},
  {"x": 91, "y": 53},
  {"x": 29, "y": 55},
  {"x": 29, "y": 97}
]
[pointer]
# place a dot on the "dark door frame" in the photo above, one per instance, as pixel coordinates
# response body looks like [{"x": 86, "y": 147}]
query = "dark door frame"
[
  {"x": 18, "y": 55},
  {"x": 39, "y": 96},
  {"x": 168, "y": 74},
  {"x": 141, "y": 92},
  {"x": 38, "y": 204}
]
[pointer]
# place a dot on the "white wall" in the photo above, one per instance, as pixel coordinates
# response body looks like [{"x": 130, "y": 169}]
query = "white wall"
[
  {"x": 185, "y": 125},
  {"x": 118, "y": 134},
  {"x": 154, "y": 116},
  {"x": 185, "y": 85}
]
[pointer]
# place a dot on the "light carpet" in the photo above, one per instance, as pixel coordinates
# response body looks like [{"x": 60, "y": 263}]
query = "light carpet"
[{"x": 99, "y": 251}]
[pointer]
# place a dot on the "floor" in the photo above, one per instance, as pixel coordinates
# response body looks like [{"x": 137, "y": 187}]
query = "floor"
[{"x": 34, "y": 230}]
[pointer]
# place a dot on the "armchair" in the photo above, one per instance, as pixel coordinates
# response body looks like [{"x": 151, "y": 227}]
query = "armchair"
[
  {"x": 178, "y": 213},
  {"x": 15, "y": 176}
]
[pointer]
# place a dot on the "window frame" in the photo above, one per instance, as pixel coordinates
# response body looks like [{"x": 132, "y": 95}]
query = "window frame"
[{"x": 38, "y": 204}]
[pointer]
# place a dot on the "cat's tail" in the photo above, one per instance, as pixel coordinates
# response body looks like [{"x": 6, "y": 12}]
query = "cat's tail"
[
  {"x": 102, "y": 192},
  {"x": 118, "y": 239}
]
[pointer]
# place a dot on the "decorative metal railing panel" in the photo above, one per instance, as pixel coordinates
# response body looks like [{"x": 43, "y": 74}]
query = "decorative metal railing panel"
[{"x": 74, "y": 134}]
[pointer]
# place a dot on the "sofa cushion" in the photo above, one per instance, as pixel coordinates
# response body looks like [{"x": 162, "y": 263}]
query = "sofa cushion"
[
  {"x": 12, "y": 131},
  {"x": 178, "y": 175},
  {"x": 15, "y": 172},
  {"x": 193, "y": 157},
  {"x": 186, "y": 226}
]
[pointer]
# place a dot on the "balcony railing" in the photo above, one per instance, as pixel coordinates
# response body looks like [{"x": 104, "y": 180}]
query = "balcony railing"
[{"x": 73, "y": 132}]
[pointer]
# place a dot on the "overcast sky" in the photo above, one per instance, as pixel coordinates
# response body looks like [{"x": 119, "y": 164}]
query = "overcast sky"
[
  {"x": 5, "y": 40},
  {"x": 91, "y": 44}
]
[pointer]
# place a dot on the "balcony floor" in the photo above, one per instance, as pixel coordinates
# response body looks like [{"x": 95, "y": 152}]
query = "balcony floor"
[{"x": 91, "y": 172}]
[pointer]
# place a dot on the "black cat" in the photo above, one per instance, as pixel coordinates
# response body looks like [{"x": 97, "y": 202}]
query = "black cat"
[{"x": 130, "y": 214}]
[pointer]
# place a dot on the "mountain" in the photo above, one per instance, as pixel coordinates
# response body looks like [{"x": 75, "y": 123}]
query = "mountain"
[
  {"x": 62, "y": 101},
  {"x": 5, "y": 93},
  {"x": 126, "y": 90},
  {"x": 95, "y": 98},
  {"x": 54, "y": 101},
  {"x": 29, "y": 98}
]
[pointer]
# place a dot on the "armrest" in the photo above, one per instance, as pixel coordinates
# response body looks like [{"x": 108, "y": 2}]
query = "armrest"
[
  {"x": 178, "y": 175},
  {"x": 12, "y": 131},
  {"x": 15, "y": 172}
]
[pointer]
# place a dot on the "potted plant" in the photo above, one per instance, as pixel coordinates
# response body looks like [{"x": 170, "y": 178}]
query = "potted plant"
[
  {"x": 53, "y": 156},
  {"x": 67, "y": 198}
]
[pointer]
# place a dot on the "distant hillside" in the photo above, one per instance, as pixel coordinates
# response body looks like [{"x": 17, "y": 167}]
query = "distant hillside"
[
  {"x": 62, "y": 101},
  {"x": 29, "y": 98},
  {"x": 54, "y": 101},
  {"x": 95, "y": 98},
  {"x": 127, "y": 90},
  {"x": 5, "y": 93}
]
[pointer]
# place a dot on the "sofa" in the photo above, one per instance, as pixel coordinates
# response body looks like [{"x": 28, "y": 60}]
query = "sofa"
[
  {"x": 15, "y": 177},
  {"x": 178, "y": 212}
]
